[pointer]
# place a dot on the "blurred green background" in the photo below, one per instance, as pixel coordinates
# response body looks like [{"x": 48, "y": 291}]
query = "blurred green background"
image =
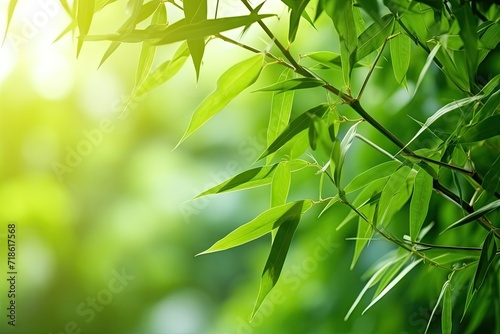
[{"x": 106, "y": 232}]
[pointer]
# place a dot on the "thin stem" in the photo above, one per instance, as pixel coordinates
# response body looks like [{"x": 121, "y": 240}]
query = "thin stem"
[{"x": 379, "y": 54}]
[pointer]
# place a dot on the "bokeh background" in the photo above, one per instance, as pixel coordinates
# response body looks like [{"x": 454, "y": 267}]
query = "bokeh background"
[{"x": 107, "y": 233}]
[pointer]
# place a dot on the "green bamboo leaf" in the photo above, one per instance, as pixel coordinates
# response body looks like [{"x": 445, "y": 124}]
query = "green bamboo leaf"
[
  {"x": 475, "y": 215},
  {"x": 180, "y": 30},
  {"x": 400, "y": 56},
  {"x": 66, "y": 7},
  {"x": 229, "y": 85},
  {"x": 293, "y": 84},
  {"x": 391, "y": 285},
  {"x": 186, "y": 31},
  {"x": 441, "y": 294},
  {"x": 138, "y": 15},
  {"x": 389, "y": 275},
  {"x": 164, "y": 72},
  {"x": 148, "y": 51},
  {"x": 368, "y": 195},
  {"x": 396, "y": 193},
  {"x": 365, "y": 233},
  {"x": 470, "y": 294},
  {"x": 446, "y": 317},
  {"x": 195, "y": 11},
  {"x": 252, "y": 178},
  {"x": 374, "y": 36},
  {"x": 487, "y": 128},
  {"x": 468, "y": 33},
  {"x": 492, "y": 105},
  {"x": 297, "y": 8},
  {"x": 338, "y": 157},
  {"x": 380, "y": 171},
  {"x": 427, "y": 64},
  {"x": 358, "y": 19},
  {"x": 491, "y": 37},
  {"x": 296, "y": 126},
  {"x": 422, "y": 191},
  {"x": 491, "y": 181},
  {"x": 280, "y": 185},
  {"x": 261, "y": 225},
  {"x": 376, "y": 277},
  {"x": 84, "y": 15},
  {"x": 443, "y": 111},
  {"x": 281, "y": 109},
  {"x": 10, "y": 14},
  {"x": 341, "y": 13},
  {"x": 486, "y": 259},
  {"x": 276, "y": 259}
]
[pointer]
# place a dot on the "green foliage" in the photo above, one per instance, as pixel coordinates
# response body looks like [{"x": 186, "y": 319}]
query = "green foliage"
[{"x": 454, "y": 36}]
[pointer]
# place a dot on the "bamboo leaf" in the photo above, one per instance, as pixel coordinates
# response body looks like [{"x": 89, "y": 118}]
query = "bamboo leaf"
[
  {"x": 280, "y": 185},
  {"x": 276, "y": 259},
  {"x": 341, "y": 13},
  {"x": 180, "y": 30},
  {"x": 148, "y": 51},
  {"x": 297, "y": 8},
  {"x": 252, "y": 178},
  {"x": 391, "y": 285},
  {"x": 296, "y": 126},
  {"x": 84, "y": 15},
  {"x": 427, "y": 64},
  {"x": 486, "y": 259},
  {"x": 475, "y": 215},
  {"x": 365, "y": 233},
  {"x": 396, "y": 192},
  {"x": 186, "y": 31},
  {"x": 164, "y": 72},
  {"x": 487, "y": 128},
  {"x": 261, "y": 225},
  {"x": 376, "y": 277},
  {"x": 491, "y": 180},
  {"x": 281, "y": 109},
  {"x": 380, "y": 171},
  {"x": 293, "y": 84},
  {"x": 337, "y": 160},
  {"x": 10, "y": 14},
  {"x": 195, "y": 11},
  {"x": 446, "y": 317},
  {"x": 400, "y": 56},
  {"x": 229, "y": 85},
  {"x": 422, "y": 191},
  {"x": 374, "y": 36},
  {"x": 443, "y": 289},
  {"x": 443, "y": 111},
  {"x": 138, "y": 15}
]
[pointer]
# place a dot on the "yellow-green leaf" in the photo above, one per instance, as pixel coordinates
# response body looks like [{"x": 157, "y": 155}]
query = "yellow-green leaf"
[
  {"x": 229, "y": 85},
  {"x": 280, "y": 184},
  {"x": 422, "y": 191},
  {"x": 261, "y": 225},
  {"x": 276, "y": 259},
  {"x": 84, "y": 15},
  {"x": 281, "y": 109},
  {"x": 400, "y": 56}
]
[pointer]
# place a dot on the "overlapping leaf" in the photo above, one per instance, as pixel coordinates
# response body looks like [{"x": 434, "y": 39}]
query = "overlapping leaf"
[
  {"x": 276, "y": 259},
  {"x": 296, "y": 126},
  {"x": 281, "y": 109},
  {"x": 252, "y": 178},
  {"x": 297, "y": 8},
  {"x": 422, "y": 191},
  {"x": 261, "y": 225}
]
